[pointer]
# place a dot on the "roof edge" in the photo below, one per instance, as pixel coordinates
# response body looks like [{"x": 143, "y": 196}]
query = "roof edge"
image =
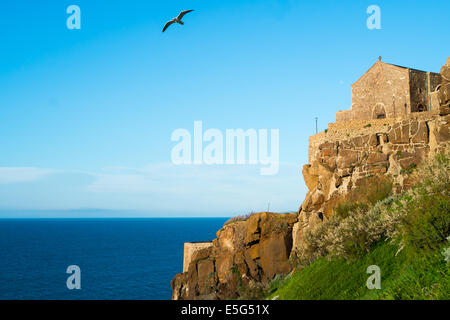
[{"x": 393, "y": 65}]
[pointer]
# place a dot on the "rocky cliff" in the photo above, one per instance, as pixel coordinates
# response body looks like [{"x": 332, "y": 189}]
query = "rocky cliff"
[
  {"x": 252, "y": 250},
  {"x": 345, "y": 156},
  {"x": 444, "y": 91},
  {"x": 340, "y": 159}
]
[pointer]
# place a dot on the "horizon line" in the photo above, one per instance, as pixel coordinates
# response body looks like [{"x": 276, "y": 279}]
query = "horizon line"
[{"x": 155, "y": 217}]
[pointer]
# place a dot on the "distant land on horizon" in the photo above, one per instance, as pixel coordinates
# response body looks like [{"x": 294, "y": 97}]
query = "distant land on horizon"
[{"x": 102, "y": 214}]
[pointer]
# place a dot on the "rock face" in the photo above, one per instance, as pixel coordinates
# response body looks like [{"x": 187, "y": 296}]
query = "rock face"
[
  {"x": 444, "y": 92},
  {"x": 349, "y": 153},
  {"x": 252, "y": 250}
]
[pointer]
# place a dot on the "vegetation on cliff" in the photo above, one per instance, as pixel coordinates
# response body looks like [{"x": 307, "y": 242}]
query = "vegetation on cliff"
[{"x": 404, "y": 234}]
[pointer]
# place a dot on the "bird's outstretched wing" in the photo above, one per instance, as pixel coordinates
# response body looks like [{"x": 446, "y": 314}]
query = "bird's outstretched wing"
[
  {"x": 168, "y": 24},
  {"x": 182, "y": 13}
]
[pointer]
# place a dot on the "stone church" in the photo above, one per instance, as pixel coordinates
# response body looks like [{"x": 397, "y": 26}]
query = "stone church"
[{"x": 390, "y": 91}]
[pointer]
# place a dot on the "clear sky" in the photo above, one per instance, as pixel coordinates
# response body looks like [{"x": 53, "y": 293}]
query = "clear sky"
[{"x": 86, "y": 116}]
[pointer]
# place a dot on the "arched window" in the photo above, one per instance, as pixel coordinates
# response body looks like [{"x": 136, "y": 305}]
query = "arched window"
[{"x": 379, "y": 111}]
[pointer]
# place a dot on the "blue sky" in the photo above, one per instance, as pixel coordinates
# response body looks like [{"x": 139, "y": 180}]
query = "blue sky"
[{"x": 86, "y": 115}]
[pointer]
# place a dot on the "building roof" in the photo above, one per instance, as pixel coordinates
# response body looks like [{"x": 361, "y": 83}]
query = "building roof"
[
  {"x": 390, "y": 64},
  {"x": 395, "y": 65}
]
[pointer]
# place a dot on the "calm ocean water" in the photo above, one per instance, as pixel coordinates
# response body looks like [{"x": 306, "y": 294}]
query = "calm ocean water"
[{"x": 119, "y": 258}]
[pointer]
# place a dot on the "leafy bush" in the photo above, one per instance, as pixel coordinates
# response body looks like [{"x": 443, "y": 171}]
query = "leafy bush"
[
  {"x": 345, "y": 208},
  {"x": 425, "y": 209},
  {"x": 434, "y": 176},
  {"x": 253, "y": 291},
  {"x": 427, "y": 224},
  {"x": 352, "y": 236},
  {"x": 373, "y": 189},
  {"x": 370, "y": 190}
]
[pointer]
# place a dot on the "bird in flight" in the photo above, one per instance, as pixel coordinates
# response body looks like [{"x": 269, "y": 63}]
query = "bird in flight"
[{"x": 177, "y": 19}]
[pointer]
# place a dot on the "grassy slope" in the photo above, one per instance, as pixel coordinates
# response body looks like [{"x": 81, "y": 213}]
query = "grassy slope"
[
  {"x": 403, "y": 277},
  {"x": 419, "y": 271}
]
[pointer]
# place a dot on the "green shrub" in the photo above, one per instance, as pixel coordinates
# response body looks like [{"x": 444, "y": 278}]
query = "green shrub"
[
  {"x": 434, "y": 177},
  {"x": 425, "y": 209},
  {"x": 348, "y": 236},
  {"x": 427, "y": 224},
  {"x": 371, "y": 190},
  {"x": 374, "y": 189},
  {"x": 345, "y": 208},
  {"x": 253, "y": 291}
]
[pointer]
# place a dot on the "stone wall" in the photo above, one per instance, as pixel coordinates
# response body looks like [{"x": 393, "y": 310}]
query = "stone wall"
[
  {"x": 345, "y": 115},
  {"x": 191, "y": 248},
  {"x": 384, "y": 88},
  {"x": 422, "y": 84}
]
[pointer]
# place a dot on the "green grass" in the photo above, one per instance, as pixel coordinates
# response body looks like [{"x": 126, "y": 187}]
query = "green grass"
[{"x": 404, "y": 276}]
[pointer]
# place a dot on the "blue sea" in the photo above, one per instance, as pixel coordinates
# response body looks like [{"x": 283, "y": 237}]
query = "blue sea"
[{"x": 118, "y": 258}]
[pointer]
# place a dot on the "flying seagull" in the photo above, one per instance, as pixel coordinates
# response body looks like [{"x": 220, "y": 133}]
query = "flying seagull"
[{"x": 177, "y": 19}]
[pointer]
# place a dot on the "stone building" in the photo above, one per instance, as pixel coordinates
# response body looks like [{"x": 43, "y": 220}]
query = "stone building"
[{"x": 390, "y": 91}]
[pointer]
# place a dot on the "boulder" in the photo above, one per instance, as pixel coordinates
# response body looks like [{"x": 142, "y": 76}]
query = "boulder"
[
  {"x": 311, "y": 175},
  {"x": 274, "y": 252}
]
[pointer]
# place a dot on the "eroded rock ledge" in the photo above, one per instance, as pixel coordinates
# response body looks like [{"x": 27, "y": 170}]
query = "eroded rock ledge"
[{"x": 252, "y": 250}]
